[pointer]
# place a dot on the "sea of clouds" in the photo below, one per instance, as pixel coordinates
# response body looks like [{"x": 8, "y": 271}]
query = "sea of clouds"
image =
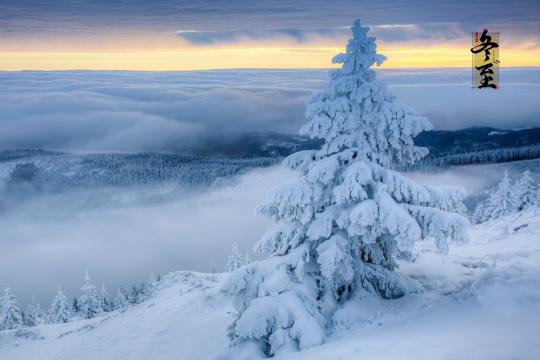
[
  {"x": 179, "y": 111},
  {"x": 53, "y": 238}
]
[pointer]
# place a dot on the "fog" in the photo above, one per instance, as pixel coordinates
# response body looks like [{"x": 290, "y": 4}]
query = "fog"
[
  {"x": 51, "y": 239},
  {"x": 122, "y": 235},
  {"x": 182, "y": 111}
]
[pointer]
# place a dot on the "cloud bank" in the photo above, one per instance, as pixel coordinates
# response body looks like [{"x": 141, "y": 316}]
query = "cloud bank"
[
  {"x": 180, "y": 111},
  {"x": 428, "y": 33}
]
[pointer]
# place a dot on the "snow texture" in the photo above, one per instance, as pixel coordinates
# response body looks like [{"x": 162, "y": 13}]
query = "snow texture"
[
  {"x": 482, "y": 302},
  {"x": 340, "y": 227}
]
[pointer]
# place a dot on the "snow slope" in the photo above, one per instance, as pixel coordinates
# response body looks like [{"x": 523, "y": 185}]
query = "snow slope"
[{"x": 480, "y": 302}]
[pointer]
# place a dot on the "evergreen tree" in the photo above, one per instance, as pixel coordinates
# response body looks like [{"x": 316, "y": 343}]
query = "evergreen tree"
[
  {"x": 524, "y": 192},
  {"x": 235, "y": 260},
  {"x": 59, "y": 312},
  {"x": 106, "y": 303},
  {"x": 89, "y": 303},
  {"x": 341, "y": 225},
  {"x": 135, "y": 296},
  {"x": 247, "y": 259},
  {"x": 34, "y": 314},
  {"x": 75, "y": 306},
  {"x": 501, "y": 201},
  {"x": 479, "y": 214},
  {"x": 145, "y": 292},
  {"x": 10, "y": 314},
  {"x": 121, "y": 302}
]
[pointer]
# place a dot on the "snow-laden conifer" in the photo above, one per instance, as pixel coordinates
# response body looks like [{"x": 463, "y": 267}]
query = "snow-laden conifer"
[
  {"x": 235, "y": 260},
  {"x": 60, "y": 309},
  {"x": 247, "y": 259},
  {"x": 34, "y": 314},
  {"x": 121, "y": 302},
  {"x": 340, "y": 226},
  {"x": 10, "y": 313},
  {"x": 501, "y": 202},
  {"x": 89, "y": 303},
  {"x": 524, "y": 192},
  {"x": 75, "y": 306},
  {"x": 105, "y": 300}
]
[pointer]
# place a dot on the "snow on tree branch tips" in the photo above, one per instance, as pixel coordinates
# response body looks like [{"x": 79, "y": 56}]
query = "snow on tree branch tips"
[{"x": 341, "y": 227}]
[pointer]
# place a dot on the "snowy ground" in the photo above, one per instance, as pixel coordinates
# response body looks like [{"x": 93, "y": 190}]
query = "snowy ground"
[{"x": 480, "y": 302}]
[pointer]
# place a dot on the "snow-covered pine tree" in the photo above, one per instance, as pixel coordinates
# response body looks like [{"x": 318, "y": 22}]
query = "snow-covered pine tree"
[
  {"x": 121, "y": 302},
  {"x": 10, "y": 313},
  {"x": 340, "y": 226},
  {"x": 246, "y": 259},
  {"x": 75, "y": 306},
  {"x": 145, "y": 291},
  {"x": 524, "y": 192},
  {"x": 501, "y": 201},
  {"x": 135, "y": 295},
  {"x": 89, "y": 304},
  {"x": 140, "y": 293},
  {"x": 104, "y": 299},
  {"x": 60, "y": 309},
  {"x": 33, "y": 314},
  {"x": 235, "y": 260},
  {"x": 479, "y": 214}
]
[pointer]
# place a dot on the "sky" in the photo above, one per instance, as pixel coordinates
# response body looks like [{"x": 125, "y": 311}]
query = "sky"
[{"x": 219, "y": 34}]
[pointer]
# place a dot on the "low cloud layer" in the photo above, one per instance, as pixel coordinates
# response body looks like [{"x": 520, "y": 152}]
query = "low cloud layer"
[
  {"x": 123, "y": 234},
  {"x": 180, "y": 111},
  {"x": 450, "y": 32},
  {"x": 52, "y": 239}
]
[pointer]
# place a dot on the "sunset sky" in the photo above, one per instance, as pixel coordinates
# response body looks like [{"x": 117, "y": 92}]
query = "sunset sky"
[{"x": 190, "y": 35}]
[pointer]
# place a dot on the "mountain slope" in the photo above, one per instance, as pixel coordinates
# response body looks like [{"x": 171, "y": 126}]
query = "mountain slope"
[
  {"x": 480, "y": 302},
  {"x": 187, "y": 319}
]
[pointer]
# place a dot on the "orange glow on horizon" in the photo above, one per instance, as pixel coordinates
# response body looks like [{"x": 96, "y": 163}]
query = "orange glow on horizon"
[{"x": 248, "y": 57}]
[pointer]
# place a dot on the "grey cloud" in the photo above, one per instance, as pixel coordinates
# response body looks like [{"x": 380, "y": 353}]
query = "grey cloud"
[
  {"x": 232, "y": 36},
  {"x": 101, "y": 16},
  {"x": 179, "y": 111},
  {"x": 433, "y": 32},
  {"x": 387, "y": 33},
  {"x": 141, "y": 111}
]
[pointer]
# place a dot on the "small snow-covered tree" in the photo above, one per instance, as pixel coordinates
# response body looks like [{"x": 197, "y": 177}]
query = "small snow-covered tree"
[
  {"x": 235, "y": 260},
  {"x": 246, "y": 259},
  {"x": 121, "y": 302},
  {"x": 10, "y": 313},
  {"x": 145, "y": 291},
  {"x": 342, "y": 224},
  {"x": 501, "y": 201},
  {"x": 75, "y": 306},
  {"x": 135, "y": 295},
  {"x": 479, "y": 213},
  {"x": 89, "y": 304},
  {"x": 60, "y": 309},
  {"x": 33, "y": 314},
  {"x": 104, "y": 299},
  {"x": 140, "y": 293},
  {"x": 524, "y": 192}
]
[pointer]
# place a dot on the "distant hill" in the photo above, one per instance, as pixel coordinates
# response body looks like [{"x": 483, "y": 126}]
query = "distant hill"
[
  {"x": 56, "y": 171},
  {"x": 265, "y": 144},
  {"x": 445, "y": 142},
  {"x": 439, "y": 142},
  {"x": 476, "y": 146}
]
